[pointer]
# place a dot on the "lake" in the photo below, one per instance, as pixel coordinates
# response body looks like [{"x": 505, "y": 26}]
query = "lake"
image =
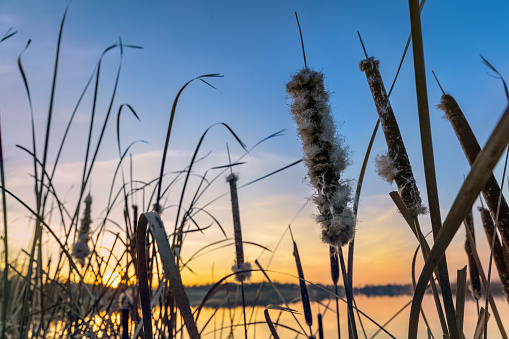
[{"x": 379, "y": 308}]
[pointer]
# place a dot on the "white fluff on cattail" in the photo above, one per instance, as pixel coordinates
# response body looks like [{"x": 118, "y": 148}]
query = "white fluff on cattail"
[
  {"x": 246, "y": 266},
  {"x": 80, "y": 249},
  {"x": 325, "y": 155},
  {"x": 385, "y": 167}
]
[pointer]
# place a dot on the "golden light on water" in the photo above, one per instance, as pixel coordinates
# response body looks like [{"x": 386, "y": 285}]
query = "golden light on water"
[{"x": 112, "y": 279}]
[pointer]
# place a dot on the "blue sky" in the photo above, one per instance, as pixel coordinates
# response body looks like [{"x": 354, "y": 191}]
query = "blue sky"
[{"x": 256, "y": 47}]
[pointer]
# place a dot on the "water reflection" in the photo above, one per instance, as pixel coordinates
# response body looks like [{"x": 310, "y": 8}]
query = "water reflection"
[{"x": 220, "y": 323}]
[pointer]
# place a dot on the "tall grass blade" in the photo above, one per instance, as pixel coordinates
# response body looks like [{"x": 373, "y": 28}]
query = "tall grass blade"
[
  {"x": 428, "y": 159},
  {"x": 423, "y": 245},
  {"x": 168, "y": 133},
  {"x": 270, "y": 324},
  {"x": 304, "y": 295},
  {"x": 279, "y": 294},
  {"x": 177, "y": 240},
  {"x": 483, "y": 317},
  {"x": 26, "y": 316},
  {"x": 5, "y": 300},
  {"x": 461, "y": 286},
  {"x": 8, "y": 34}
]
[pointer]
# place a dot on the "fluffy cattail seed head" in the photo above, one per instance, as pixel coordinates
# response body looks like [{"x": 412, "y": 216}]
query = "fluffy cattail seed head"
[
  {"x": 325, "y": 155},
  {"x": 80, "y": 249}
]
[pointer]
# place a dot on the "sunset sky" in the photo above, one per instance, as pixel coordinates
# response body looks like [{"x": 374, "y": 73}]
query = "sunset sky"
[{"x": 256, "y": 47}]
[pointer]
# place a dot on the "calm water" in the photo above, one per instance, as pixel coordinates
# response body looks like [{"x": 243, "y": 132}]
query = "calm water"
[{"x": 379, "y": 309}]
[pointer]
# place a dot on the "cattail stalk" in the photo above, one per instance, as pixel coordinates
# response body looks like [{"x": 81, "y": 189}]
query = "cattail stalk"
[
  {"x": 320, "y": 327},
  {"x": 475, "y": 281},
  {"x": 498, "y": 254},
  {"x": 471, "y": 148},
  {"x": 239, "y": 265},
  {"x": 395, "y": 165},
  {"x": 80, "y": 250}
]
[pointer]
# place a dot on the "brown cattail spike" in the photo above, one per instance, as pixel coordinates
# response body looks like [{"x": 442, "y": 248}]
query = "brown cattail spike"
[
  {"x": 498, "y": 255},
  {"x": 396, "y": 163},
  {"x": 475, "y": 281},
  {"x": 334, "y": 264},
  {"x": 306, "y": 306},
  {"x": 239, "y": 265},
  {"x": 325, "y": 156},
  {"x": 471, "y": 148}
]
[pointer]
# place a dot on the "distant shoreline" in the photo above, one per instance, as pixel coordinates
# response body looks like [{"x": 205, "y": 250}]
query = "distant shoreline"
[{"x": 263, "y": 294}]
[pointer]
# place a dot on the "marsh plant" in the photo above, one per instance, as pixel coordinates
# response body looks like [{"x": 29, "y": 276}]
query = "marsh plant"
[{"x": 134, "y": 288}]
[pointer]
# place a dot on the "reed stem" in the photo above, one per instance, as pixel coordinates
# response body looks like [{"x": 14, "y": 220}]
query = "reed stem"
[{"x": 428, "y": 159}]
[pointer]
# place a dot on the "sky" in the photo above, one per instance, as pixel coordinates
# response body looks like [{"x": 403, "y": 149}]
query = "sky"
[{"x": 256, "y": 47}]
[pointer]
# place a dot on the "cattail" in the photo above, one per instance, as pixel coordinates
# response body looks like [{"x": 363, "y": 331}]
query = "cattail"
[
  {"x": 475, "y": 281},
  {"x": 498, "y": 254},
  {"x": 306, "y": 306},
  {"x": 471, "y": 148},
  {"x": 395, "y": 165},
  {"x": 135, "y": 217},
  {"x": 239, "y": 265},
  {"x": 334, "y": 271},
  {"x": 320, "y": 326},
  {"x": 325, "y": 155},
  {"x": 80, "y": 250},
  {"x": 334, "y": 265}
]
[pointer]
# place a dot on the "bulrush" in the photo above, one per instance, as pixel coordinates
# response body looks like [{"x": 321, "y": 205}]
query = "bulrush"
[
  {"x": 475, "y": 281},
  {"x": 395, "y": 165},
  {"x": 325, "y": 156},
  {"x": 471, "y": 148},
  {"x": 306, "y": 306},
  {"x": 498, "y": 254},
  {"x": 80, "y": 250},
  {"x": 239, "y": 265}
]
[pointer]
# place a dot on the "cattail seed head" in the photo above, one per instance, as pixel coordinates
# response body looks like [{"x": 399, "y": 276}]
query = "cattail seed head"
[
  {"x": 471, "y": 148},
  {"x": 334, "y": 264},
  {"x": 498, "y": 251},
  {"x": 475, "y": 281},
  {"x": 397, "y": 155},
  {"x": 325, "y": 155},
  {"x": 80, "y": 249}
]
